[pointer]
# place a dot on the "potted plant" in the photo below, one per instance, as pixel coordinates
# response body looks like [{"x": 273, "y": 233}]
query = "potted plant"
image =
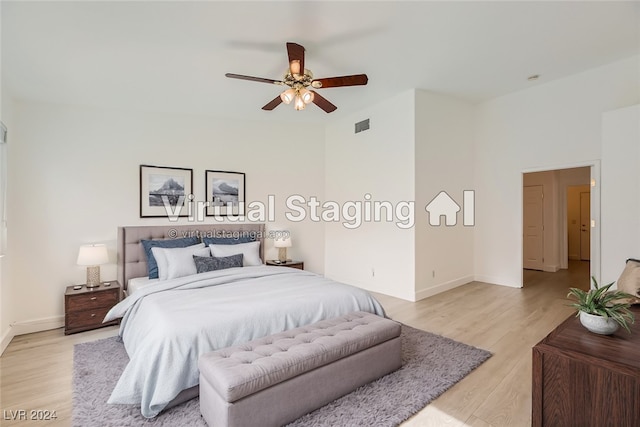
[{"x": 602, "y": 311}]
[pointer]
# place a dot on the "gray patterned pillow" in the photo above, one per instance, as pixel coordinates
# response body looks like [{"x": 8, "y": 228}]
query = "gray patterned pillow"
[{"x": 208, "y": 263}]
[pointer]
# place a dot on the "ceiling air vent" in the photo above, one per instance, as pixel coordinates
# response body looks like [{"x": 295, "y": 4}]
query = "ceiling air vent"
[{"x": 361, "y": 126}]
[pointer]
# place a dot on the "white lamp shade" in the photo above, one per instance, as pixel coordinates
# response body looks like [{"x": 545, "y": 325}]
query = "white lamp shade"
[
  {"x": 283, "y": 242},
  {"x": 288, "y": 95},
  {"x": 306, "y": 95},
  {"x": 93, "y": 255},
  {"x": 298, "y": 103}
]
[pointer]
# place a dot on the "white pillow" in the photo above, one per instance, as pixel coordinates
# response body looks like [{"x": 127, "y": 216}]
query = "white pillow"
[
  {"x": 251, "y": 252},
  {"x": 178, "y": 262},
  {"x": 163, "y": 263}
]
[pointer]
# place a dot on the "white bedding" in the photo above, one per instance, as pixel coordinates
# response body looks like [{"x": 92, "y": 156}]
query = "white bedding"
[
  {"x": 139, "y": 283},
  {"x": 167, "y": 326}
]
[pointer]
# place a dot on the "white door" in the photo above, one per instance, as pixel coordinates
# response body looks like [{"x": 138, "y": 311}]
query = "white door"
[
  {"x": 585, "y": 226},
  {"x": 533, "y": 227}
]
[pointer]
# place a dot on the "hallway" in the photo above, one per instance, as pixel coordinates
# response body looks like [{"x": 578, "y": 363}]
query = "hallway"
[{"x": 576, "y": 276}]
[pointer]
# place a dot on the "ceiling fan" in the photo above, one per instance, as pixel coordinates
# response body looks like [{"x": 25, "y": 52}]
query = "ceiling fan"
[{"x": 301, "y": 83}]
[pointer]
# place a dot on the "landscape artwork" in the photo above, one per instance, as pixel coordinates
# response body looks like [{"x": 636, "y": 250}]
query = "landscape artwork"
[
  {"x": 225, "y": 193},
  {"x": 164, "y": 191},
  {"x": 165, "y": 187}
]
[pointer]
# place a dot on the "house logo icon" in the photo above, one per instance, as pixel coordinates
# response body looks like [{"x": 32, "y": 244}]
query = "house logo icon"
[{"x": 443, "y": 205}]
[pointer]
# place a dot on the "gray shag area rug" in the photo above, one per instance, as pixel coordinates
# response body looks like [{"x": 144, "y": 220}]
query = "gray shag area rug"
[{"x": 431, "y": 365}]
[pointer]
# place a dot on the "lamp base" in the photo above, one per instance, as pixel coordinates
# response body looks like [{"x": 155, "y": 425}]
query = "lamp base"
[
  {"x": 282, "y": 254},
  {"x": 93, "y": 276}
]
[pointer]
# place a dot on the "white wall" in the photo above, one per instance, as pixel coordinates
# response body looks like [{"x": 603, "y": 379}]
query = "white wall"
[
  {"x": 549, "y": 126},
  {"x": 6, "y": 115},
  {"x": 74, "y": 178},
  {"x": 620, "y": 190},
  {"x": 443, "y": 162},
  {"x": 420, "y": 143},
  {"x": 378, "y": 256}
]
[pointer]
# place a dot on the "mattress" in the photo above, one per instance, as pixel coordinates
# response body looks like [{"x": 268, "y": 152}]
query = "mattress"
[{"x": 139, "y": 283}]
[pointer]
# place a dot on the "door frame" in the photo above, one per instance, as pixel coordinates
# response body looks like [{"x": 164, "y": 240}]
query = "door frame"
[{"x": 594, "y": 165}]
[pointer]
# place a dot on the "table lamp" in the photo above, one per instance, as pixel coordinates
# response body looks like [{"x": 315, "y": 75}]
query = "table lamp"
[
  {"x": 92, "y": 256},
  {"x": 282, "y": 243}
]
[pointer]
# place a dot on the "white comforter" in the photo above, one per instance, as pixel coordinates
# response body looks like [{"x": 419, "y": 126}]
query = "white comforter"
[{"x": 166, "y": 327}]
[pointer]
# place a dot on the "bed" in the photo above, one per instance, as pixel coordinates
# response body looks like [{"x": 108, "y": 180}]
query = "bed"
[{"x": 167, "y": 324}]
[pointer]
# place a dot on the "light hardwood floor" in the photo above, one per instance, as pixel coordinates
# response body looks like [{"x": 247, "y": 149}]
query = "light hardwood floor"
[{"x": 36, "y": 369}]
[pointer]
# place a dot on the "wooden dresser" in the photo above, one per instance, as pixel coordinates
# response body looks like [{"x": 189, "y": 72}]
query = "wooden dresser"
[
  {"x": 583, "y": 379},
  {"x": 85, "y": 308}
]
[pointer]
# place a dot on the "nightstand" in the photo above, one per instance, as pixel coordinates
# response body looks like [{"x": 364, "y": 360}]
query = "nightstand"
[
  {"x": 292, "y": 264},
  {"x": 85, "y": 308}
]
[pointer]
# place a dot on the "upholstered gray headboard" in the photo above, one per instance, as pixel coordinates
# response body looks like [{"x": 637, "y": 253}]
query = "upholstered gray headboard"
[{"x": 132, "y": 261}]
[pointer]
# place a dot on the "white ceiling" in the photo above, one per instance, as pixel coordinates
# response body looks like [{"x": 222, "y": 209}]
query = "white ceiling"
[{"x": 172, "y": 56}]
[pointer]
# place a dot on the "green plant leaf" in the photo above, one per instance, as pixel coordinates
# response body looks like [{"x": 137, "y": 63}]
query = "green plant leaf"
[{"x": 600, "y": 300}]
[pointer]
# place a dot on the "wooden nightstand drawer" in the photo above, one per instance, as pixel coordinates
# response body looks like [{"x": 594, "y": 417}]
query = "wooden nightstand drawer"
[
  {"x": 93, "y": 300},
  {"x": 81, "y": 319}
]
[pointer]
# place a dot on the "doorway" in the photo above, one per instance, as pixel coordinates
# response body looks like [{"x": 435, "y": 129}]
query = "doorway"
[{"x": 556, "y": 220}]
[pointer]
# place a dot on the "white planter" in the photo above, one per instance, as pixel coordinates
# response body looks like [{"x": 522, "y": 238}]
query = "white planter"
[{"x": 598, "y": 324}]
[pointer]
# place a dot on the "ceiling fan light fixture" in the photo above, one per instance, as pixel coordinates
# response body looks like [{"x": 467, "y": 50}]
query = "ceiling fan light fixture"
[
  {"x": 299, "y": 104},
  {"x": 288, "y": 95},
  {"x": 306, "y": 95}
]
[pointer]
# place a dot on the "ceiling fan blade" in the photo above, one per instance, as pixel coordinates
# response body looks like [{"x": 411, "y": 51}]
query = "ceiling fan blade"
[
  {"x": 296, "y": 56},
  {"x": 273, "y": 104},
  {"x": 253, "y": 79},
  {"x": 354, "y": 80},
  {"x": 322, "y": 102}
]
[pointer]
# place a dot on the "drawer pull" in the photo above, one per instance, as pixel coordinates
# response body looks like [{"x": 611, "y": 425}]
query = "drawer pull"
[
  {"x": 93, "y": 315},
  {"x": 94, "y": 298}
]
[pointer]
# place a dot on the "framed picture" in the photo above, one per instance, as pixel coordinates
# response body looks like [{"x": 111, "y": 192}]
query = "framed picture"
[
  {"x": 164, "y": 191},
  {"x": 225, "y": 193}
]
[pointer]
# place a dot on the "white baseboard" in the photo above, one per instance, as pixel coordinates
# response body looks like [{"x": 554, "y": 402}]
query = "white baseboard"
[
  {"x": 37, "y": 325},
  {"x": 6, "y": 339},
  {"x": 442, "y": 287},
  {"x": 28, "y": 327},
  {"x": 550, "y": 268},
  {"x": 496, "y": 281}
]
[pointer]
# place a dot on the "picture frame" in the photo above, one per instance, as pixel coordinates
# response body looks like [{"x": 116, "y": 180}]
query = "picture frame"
[
  {"x": 159, "y": 184},
  {"x": 225, "y": 193}
]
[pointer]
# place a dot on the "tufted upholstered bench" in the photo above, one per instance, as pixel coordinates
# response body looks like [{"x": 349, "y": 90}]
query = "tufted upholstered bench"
[{"x": 277, "y": 379}]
